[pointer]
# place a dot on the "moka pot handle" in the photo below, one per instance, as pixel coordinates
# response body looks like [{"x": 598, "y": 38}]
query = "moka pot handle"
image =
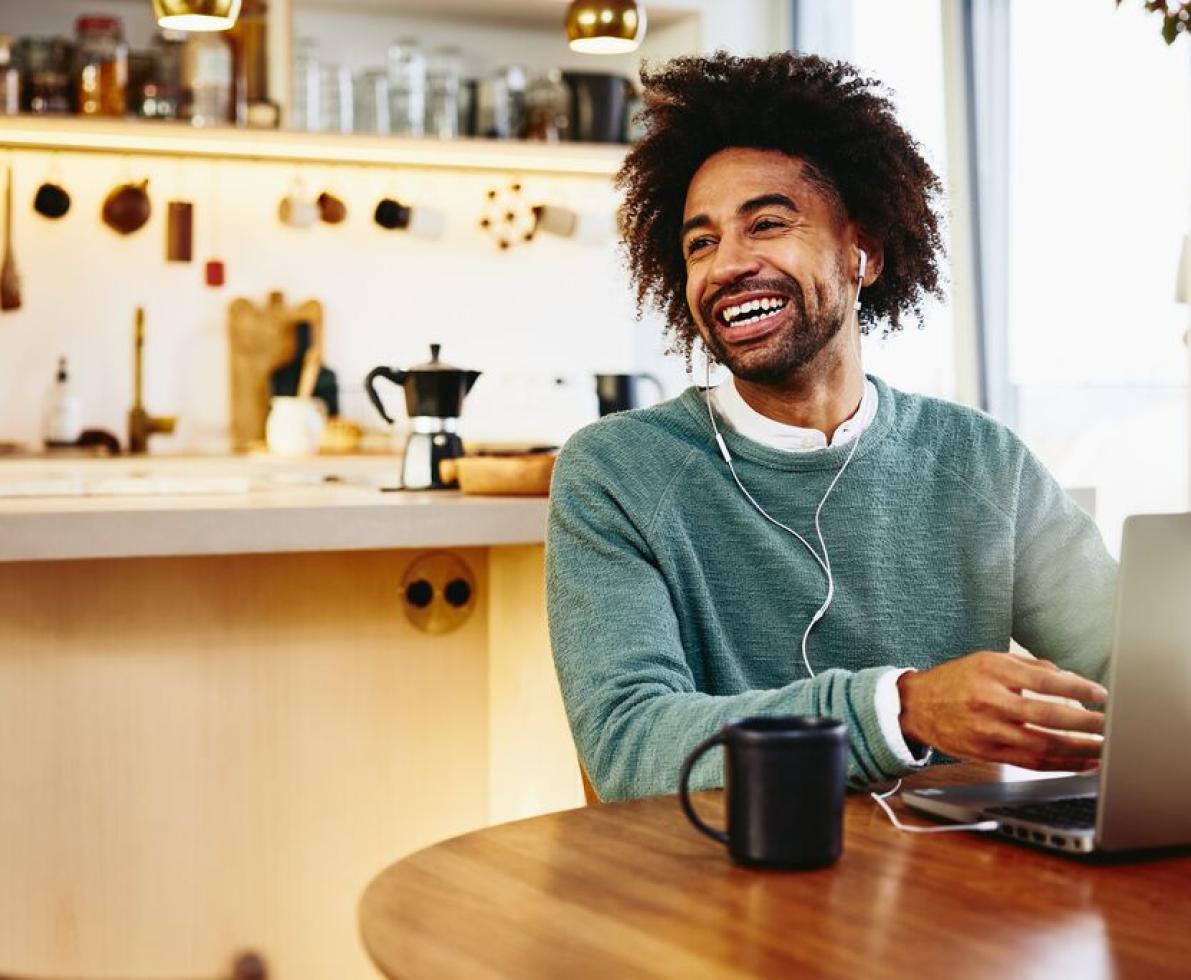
[{"x": 396, "y": 375}]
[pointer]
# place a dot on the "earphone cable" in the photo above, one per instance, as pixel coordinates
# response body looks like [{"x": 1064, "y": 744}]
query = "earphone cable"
[
  {"x": 824, "y": 561},
  {"x": 881, "y": 801}
]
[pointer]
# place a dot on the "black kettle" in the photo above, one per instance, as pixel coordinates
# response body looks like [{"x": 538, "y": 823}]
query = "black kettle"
[{"x": 432, "y": 390}]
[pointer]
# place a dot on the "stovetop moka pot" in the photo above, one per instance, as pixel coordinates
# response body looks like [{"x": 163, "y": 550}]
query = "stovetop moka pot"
[
  {"x": 432, "y": 390},
  {"x": 434, "y": 394}
]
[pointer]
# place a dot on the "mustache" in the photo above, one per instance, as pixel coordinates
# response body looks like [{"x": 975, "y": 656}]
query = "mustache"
[{"x": 783, "y": 285}]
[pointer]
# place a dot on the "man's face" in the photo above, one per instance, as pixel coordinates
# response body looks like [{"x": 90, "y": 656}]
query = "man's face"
[{"x": 766, "y": 280}]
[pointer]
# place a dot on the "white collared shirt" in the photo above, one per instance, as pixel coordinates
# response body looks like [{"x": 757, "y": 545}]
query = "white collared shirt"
[
  {"x": 748, "y": 422},
  {"x": 751, "y": 424}
]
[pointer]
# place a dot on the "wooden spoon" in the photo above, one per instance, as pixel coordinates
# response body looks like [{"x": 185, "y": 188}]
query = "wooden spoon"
[
  {"x": 311, "y": 363},
  {"x": 10, "y": 281}
]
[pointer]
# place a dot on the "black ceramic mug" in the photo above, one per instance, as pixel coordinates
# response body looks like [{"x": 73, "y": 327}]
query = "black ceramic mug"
[
  {"x": 619, "y": 392},
  {"x": 783, "y": 787}
]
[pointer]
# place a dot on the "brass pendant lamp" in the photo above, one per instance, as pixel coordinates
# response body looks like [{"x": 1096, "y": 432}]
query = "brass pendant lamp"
[
  {"x": 605, "y": 26},
  {"x": 196, "y": 15}
]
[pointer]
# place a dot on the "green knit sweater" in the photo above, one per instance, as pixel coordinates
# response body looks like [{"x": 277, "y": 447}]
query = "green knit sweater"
[{"x": 675, "y": 606}]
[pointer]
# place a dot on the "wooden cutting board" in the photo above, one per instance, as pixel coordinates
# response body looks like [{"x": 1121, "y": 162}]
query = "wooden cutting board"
[{"x": 261, "y": 339}]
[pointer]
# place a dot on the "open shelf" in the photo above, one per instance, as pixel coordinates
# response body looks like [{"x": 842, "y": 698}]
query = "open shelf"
[
  {"x": 532, "y": 14},
  {"x": 72, "y": 134}
]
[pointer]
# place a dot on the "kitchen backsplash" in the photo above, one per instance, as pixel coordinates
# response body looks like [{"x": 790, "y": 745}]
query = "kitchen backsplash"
[{"x": 537, "y": 318}]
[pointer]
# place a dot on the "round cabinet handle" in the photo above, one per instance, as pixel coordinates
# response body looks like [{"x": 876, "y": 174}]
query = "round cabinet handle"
[
  {"x": 419, "y": 593},
  {"x": 457, "y": 592}
]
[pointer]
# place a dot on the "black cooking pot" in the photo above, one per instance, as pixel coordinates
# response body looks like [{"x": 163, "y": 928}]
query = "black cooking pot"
[{"x": 599, "y": 106}]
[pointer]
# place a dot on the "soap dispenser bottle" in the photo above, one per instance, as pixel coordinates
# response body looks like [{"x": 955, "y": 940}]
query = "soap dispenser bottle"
[{"x": 63, "y": 420}]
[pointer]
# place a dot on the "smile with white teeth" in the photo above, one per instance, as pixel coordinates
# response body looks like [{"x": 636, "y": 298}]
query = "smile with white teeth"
[{"x": 752, "y": 311}]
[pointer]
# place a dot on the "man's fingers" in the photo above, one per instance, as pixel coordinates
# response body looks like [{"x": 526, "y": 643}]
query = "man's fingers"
[
  {"x": 1013, "y": 756},
  {"x": 1054, "y": 745},
  {"x": 1059, "y": 763},
  {"x": 1059, "y": 683},
  {"x": 1056, "y": 715},
  {"x": 1031, "y": 659}
]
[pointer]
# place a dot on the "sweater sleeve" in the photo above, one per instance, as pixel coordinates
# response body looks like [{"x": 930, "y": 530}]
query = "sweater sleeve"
[
  {"x": 628, "y": 688},
  {"x": 1064, "y": 579}
]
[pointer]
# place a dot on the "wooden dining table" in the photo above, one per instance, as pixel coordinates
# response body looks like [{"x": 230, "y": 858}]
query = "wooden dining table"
[{"x": 632, "y": 890}]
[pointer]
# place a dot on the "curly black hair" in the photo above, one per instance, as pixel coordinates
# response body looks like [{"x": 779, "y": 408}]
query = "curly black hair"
[{"x": 840, "y": 123}]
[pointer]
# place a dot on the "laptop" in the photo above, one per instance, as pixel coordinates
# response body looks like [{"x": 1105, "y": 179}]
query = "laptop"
[{"x": 1140, "y": 797}]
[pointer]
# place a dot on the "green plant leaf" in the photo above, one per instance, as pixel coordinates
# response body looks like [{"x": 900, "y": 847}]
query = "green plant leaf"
[{"x": 1174, "y": 22}]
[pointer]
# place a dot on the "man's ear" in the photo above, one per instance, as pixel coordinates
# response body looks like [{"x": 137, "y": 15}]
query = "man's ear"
[{"x": 876, "y": 257}]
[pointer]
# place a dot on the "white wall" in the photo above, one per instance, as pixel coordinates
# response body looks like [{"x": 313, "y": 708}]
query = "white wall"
[
  {"x": 47, "y": 18},
  {"x": 522, "y": 316}
]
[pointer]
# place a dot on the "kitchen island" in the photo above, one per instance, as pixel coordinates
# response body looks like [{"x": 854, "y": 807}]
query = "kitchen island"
[{"x": 219, "y": 714}]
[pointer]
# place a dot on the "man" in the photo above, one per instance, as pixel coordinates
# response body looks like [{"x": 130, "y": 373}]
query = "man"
[{"x": 803, "y": 539}]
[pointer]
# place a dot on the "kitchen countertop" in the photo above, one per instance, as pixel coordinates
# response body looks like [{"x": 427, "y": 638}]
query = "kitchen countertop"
[{"x": 159, "y": 508}]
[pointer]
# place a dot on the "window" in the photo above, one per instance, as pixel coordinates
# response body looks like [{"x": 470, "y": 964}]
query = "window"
[
  {"x": 1100, "y": 192},
  {"x": 902, "y": 44}
]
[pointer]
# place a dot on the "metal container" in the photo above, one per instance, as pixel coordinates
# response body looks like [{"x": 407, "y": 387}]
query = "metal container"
[{"x": 599, "y": 106}]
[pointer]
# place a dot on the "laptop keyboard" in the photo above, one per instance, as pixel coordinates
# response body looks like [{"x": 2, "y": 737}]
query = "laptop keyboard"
[{"x": 1071, "y": 813}]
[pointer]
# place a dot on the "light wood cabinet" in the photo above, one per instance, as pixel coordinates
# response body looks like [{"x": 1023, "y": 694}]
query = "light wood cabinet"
[{"x": 208, "y": 754}]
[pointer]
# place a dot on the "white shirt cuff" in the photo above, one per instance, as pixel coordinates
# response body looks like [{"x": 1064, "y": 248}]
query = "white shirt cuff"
[{"x": 888, "y": 704}]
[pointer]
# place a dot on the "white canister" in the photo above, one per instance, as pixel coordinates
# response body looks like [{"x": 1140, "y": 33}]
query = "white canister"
[{"x": 295, "y": 425}]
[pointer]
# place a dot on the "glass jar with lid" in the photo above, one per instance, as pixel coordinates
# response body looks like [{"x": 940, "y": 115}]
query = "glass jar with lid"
[
  {"x": 153, "y": 84},
  {"x": 208, "y": 80},
  {"x": 407, "y": 87},
  {"x": 371, "y": 93},
  {"x": 443, "y": 71},
  {"x": 307, "y": 76},
  {"x": 10, "y": 78},
  {"x": 46, "y": 65},
  {"x": 101, "y": 67},
  {"x": 335, "y": 105},
  {"x": 547, "y": 108}
]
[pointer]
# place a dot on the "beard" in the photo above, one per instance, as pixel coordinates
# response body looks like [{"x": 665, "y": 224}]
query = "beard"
[{"x": 781, "y": 355}]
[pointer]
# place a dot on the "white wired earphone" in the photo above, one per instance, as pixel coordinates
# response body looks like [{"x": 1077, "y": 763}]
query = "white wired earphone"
[{"x": 824, "y": 563}]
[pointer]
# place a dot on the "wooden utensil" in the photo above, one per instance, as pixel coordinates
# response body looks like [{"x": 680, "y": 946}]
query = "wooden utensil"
[
  {"x": 311, "y": 364},
  {"x": 179, "y": 231},
  {"x": 10, "y": 281}
]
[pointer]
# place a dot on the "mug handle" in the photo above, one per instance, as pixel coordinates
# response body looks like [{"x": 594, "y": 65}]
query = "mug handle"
[
  {"x": 684, "y": 787},
  {"x": 656, "y": 382},
  {"x": 396, "y": 376}
]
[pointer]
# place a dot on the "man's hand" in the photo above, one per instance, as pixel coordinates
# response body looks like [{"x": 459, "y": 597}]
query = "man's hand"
[{"x": 973, "y": 708}]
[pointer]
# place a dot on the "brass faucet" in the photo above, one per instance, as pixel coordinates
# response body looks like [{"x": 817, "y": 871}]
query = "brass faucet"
[{"x": 141, "y": 424}]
